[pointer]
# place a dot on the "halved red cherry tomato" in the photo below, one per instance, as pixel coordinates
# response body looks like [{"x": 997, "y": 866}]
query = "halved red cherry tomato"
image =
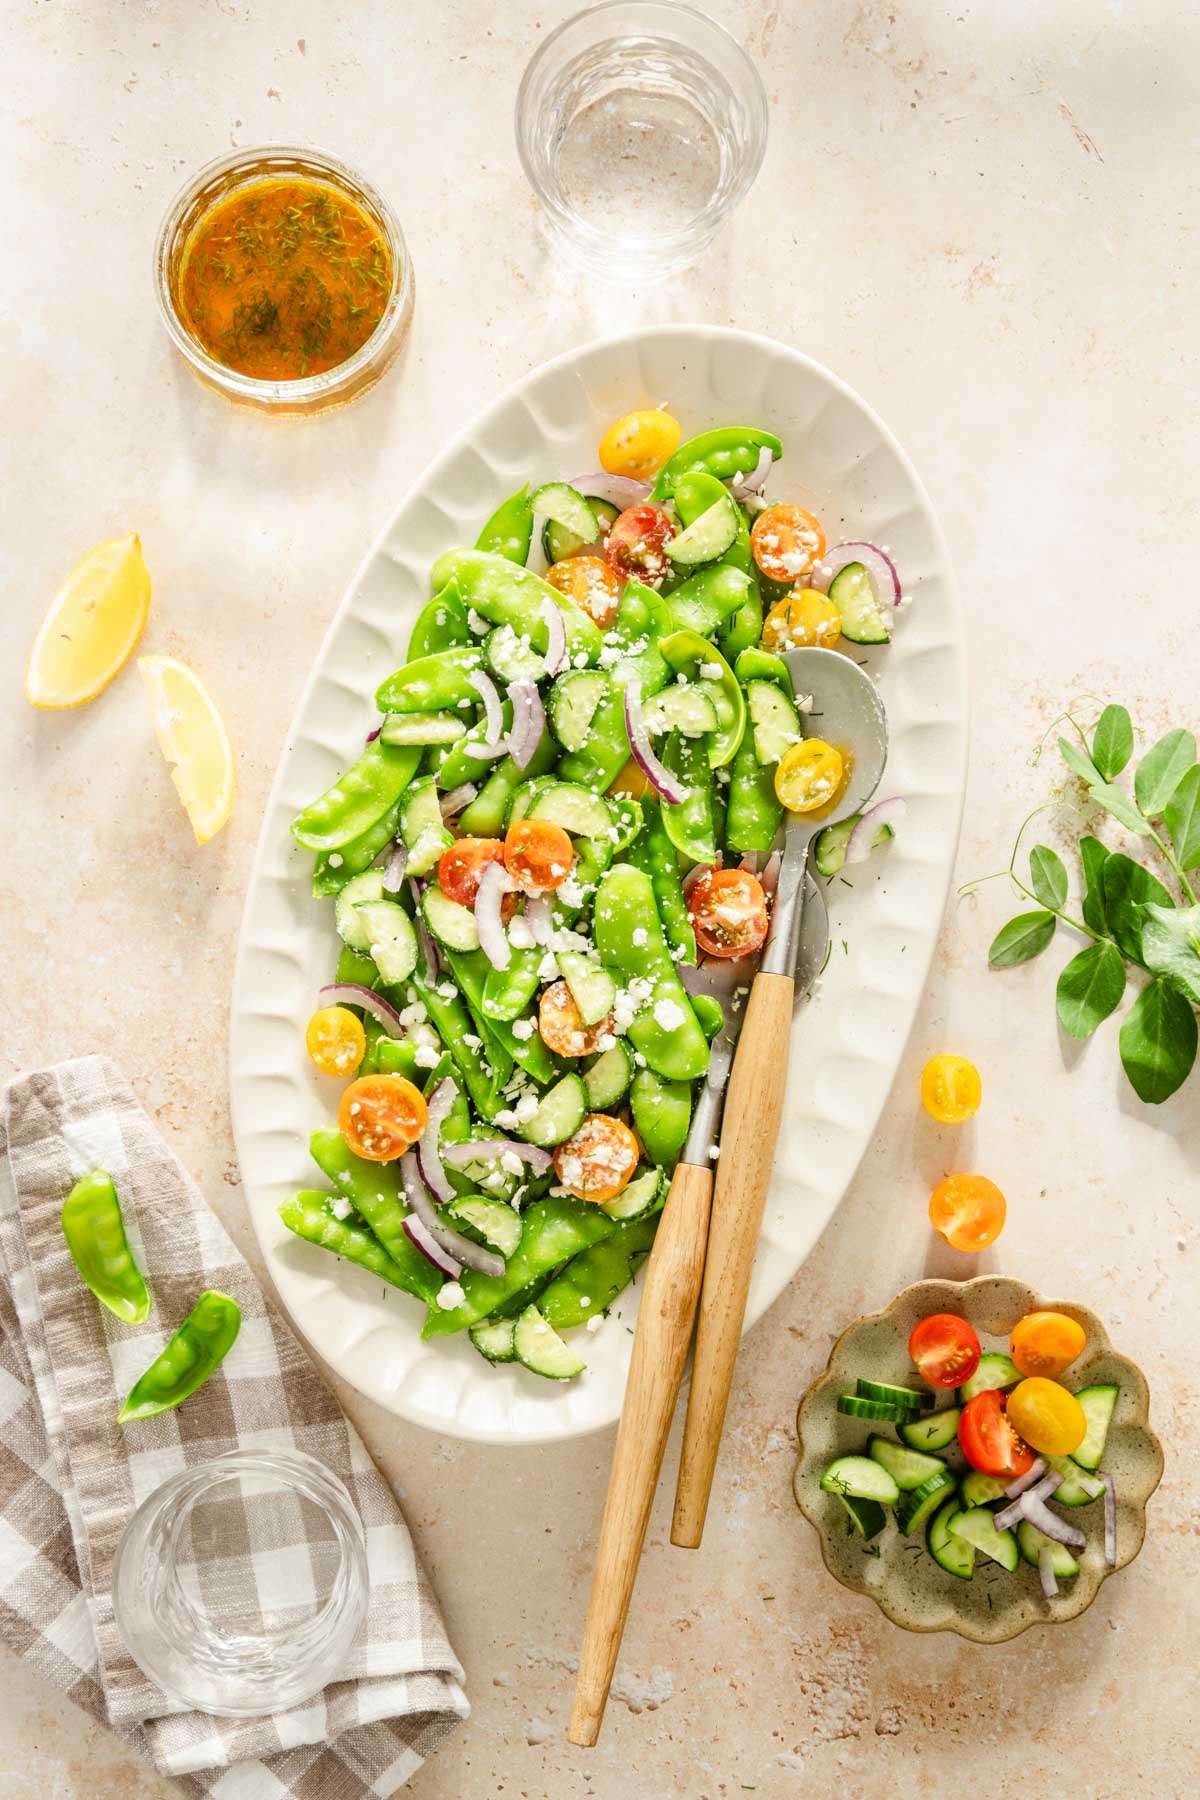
[
  {"x": 597, "y": 1162},
  {"x": 380, "y": 1116},
  {"x": 591, "y": 583},
  {"x": 968, "y": 1210},
  {"x": 538, "y": 855},
  {"x": 988, "y": 1441},
  {"x": 945, "y": 1349},
  {"x": 786, "y": 542},
  {"x": 562, "y": 1030},
  {"x": 637, "y": 542},
  {"x": 1046, "y": 1343},
  {"x": 729, "y": 912},
  {"x": 460, "y": 867}
]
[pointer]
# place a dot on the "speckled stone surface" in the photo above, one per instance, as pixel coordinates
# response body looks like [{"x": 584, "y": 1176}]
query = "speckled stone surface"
[{"x": 984, "y": 218}]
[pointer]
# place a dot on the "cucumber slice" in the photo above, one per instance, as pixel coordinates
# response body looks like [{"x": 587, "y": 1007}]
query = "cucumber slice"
[
  {"x": 863, "y": 619},
  {"x": 421, "y": 811},
  {"x": 592, "y": 987},
  {"x": 566, "y": 506},
  {"x": 494, "y": 1339},
  {"x": 829, "y": 851},
  {"x": 862, "y": 1477},
  {"x": 1071, "y": 1491},
  {"x": 1098, "y": 1403},
  {"x": 981, "y": 1490},
  {"x": 934, "y": 1432},
  {"x": 917, "y": 1506},
  {"x": 773, "y": 719},
  {"x": 638, "y": 1197},
  {"x": 560, "y": 1113},
  {"x": 1032, "y": 1542},
  {"x": 855, "y": 1407},
  {"x": 909, "y": 1469},
  {"x": 867, "y": 1517},
  {"x": 451, "y": 924},
  {"x": 707, "y": 537},
  {"x": 578, "y": 811},
  {"x": 685, "y": 708},
  {"x": 995, "y": 1371},
  {"x": 558, "y": 542},
  {"x": 574, "y": 699},
  {"x": 391, "y": 940},
  {"x": 511, "y": 657},
  {"x": 954, "y": 1554},
  {"x": 492, "y": 1219},
  {"x": 976, "y": 1526},
  {"x": 914, "y": 1398},
  {"x": 541, "y": 1350},
  {"x": 608, "y": 1079},
  {"x": 350, "y": 928},
  {"x": 422, "y": 728},
  {"x": 524, "y": 798}
]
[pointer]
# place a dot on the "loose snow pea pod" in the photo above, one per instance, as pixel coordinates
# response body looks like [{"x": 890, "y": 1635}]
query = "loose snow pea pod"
[
  {"x": 334, "y": 868},
  {"x": 662, "y": 865},
  {"x": 358, "y": 799},
  {"x": 485, "y": 815},
  {"x": 374, "y": 1191},
  {"x": 690, "y": 825},
  {"x": 308, "y": 1215},
  {"x": 504, "y": 594},
  {"x": 441, "y": 624},
  {"x": 631, "y": 945},
  {"x": 356, "y": 966},
  {"x": 728, "y": 451},
  {"x": 438, "y": 683},
  {"x": 662, "y": 1112},
  {"x": 694, "y": 657},
  {"x": 705, "y": 601},
  {"x": 509, "y": 531},
  {"x": 198, "y": 1348},
  {"x": 453, "y": 1024},
  {"x": 552, "y": 1231},
  {"x": 592, "y": 1280},
  {"x": 95, "y": 1234},
  {"x": 753, "y": 813}
]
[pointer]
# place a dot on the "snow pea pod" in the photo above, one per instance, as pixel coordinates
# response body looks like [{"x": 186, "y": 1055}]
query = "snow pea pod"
[
  {"x": 631, "y": 945},
  {"x": 504, "y": 594},
  {"x": 441, "y": 624},
  {"x": 438, "y": 683},
  {"x": 95, "y": 1232},
  {"x": 470, "y": 970},
  {"x": 728, "y": 451},
  {"x": 662, "y": 1112},
  {"x": 359, "y": 799},
  {"x": 552, "y": 1231},
  {"x": 690, "y": 825},
  {"x": 661, "y": 863},
  {"x": 309, "y": 1216},
  {"x": 509, "y": 531},
  {"x": 753, "y": 814},
  {"x": 198, "y": 1348},
  {"x": 334, "y": 868},
  {"x": 607, "y": 751},
  {"x": 705, "y": 602},
  {"x": 507, "y": 992},
  {"x": 592, "y": 1280},
  {"x": 695, "y": 492},
  {"x": 485, "y": 815},
  {"x": 374, "y": 1191},
  {"x": 695, "y": 658},
  {"x": 453, "y": 1024}
]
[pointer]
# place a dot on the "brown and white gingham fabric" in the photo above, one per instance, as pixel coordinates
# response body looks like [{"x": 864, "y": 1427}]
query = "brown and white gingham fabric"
[{"x": 70, "y": 1476}]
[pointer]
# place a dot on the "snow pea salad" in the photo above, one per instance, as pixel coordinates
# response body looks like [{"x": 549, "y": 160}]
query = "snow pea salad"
[{"x": 574, "y": 791}]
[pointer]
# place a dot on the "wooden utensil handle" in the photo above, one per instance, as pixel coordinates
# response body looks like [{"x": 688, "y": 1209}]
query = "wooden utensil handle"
[
  {"x": 670, "y": 1290},
  {"x": 753, "y": 1109}
]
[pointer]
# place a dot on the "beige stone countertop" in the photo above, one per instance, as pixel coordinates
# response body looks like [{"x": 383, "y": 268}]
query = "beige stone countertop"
[{"x": 985, "y": 218}]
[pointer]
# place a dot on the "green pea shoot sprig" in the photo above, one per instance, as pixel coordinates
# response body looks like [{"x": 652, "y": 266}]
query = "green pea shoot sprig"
[{"x": 1127, "y": 913}]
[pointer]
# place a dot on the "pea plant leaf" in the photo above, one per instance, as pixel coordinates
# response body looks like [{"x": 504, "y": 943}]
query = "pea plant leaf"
[
  {"x": 1078, "y": 762},
  {"x": 1182, "y": 818},
  {"x": 1090, "y": 987},
  {"x": 1171, "y": 945},
  {"x": 1161, "y": 770},
  {"x": 1112, "y": 741},
  {"x": 1158, "y": 1042},
  {"x": 1048, "y": 877},
  {"x": 1021, "y": 939},
  {"x": 1116, "y": 801},
  {"x": 1128, "y": 889},
  {"x": 1093, "y": 855}
]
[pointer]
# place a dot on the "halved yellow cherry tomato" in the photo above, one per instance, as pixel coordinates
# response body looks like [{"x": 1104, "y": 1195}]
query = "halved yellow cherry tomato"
[
  {"x": 1046, "y": 1343},
  {"x": 631, "y": 781},
  {"x": 591, "y": 583},
  {"x": 1048, "y": 1417},
  {"x": 968, "y": 1210},
  {"x": 335, "y": 1040},
  {"x": 786, "y": 542},
  {"x": 802, "y": 618},
  {"x": 380, "y": 1116},
  {"x": 640, "y": 443},
  {"x": 598, "y": 1161},
  {"x": 809, "y": 775},
  {"x": 950, "y": 1089}
]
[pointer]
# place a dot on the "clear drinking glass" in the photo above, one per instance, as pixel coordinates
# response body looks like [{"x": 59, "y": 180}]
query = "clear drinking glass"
[
  {"x": 640, "y": 124},
  {"x": 240, "y": 1584}
]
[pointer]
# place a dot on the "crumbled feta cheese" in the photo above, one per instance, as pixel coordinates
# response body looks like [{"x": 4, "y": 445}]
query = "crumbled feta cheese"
[
  {"x": 448, "y": 991},
  {"x": 507, "y": 1119},
  {"x": 522, "y": 1030},
  {"x": 581, "y": 660},
  {"x": 335, "y": 859},
  {"x": 414, "y": 1014},
  {"x": 525, "y": 1108},
  {"x": 548, "y": 968},
  {"x": 712, "y": 671},
  {"x": 805, "y": 705},
  {"x": 519, "y": 934},
  {"x": 340, "y": 1208},
  {"x": 606, "y": 1041},
  {"x": 450, "y": 1295},
  {"x": 510, "y": 1162},
  {"x": 570, "y": 892},
  {"x": 640, "y": 936},
  {"x": 471, "y": 1041},
  {"x": 427, "y": 1056},
  {"x": 669, "y": 1014},
  {"x": 585, "y": 1299},
  {"x": 595, "y": 1322},
  {"x": 479, "y": 626}
]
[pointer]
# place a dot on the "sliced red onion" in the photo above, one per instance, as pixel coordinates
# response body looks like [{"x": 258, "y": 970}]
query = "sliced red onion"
[
  {"x": 372, "y": 735},
  {"x": 536, "y": 560},
  {"x": 349, "y": 993},
  {"x": 420, "y": 1235},
  {"x": 881, "y": 570},
  {"x": 1110, "y": 1521},
  {"x": 453, "y": 802},
  {"x": 1033, "y": 1473},
  {"x": 538, "y": 917},
  {"x": 556, "y": 635},
  {"x": 493, "y": 718},
  {"x": 754, "y": 504},
  {"x": 741, "y": 485},
  {"x": 1039, "y": 1514},
  {"x": 494, "y": 883},
  {"x": 425, "y": 940},
  {"x": 528, "y": 721},
  {"x": 1045, "y": 1485},
  {"x": 393, "y": 869},
  {"x": 1046, "y": 1571},
  {"x": 618, "y": 490},
  {"x": 471, "y": 1256},
  {"x": 749, "y": 862},
  {"x": 429, "y": 1157},
  {"x": 657, "y": 774},
  {"x": 472, "y": 1150},
  {"x": 693, "y": 875},
  {"x": 862, "y": 839},
  {"x": 770, "y": 874}
]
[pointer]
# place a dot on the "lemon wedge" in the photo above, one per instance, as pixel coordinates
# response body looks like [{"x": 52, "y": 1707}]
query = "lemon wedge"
[
  {"x": 92, "y": 627},
  {"x": 193, "y": 738}
]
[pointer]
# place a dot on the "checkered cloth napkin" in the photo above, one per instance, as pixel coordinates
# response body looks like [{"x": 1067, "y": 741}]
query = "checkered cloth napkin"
[{"x": 70, "y": 1476}]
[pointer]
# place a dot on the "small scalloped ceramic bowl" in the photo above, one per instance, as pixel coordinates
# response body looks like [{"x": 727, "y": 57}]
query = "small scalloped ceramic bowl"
[{"x": 897, "y": 1572}]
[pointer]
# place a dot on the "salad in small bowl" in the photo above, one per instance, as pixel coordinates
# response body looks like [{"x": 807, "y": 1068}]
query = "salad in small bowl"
[{"x": 976, "y": 1459}]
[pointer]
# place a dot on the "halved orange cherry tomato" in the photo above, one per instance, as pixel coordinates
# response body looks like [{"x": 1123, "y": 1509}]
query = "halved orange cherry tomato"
[
  {"x": 988, "y": 1440},
  {"x": 809, "y": 775},
  {"x": 802, "y": 618},
  {"x": 637, "y": 541},
  {"x": 945, "y": 1349},
  {"x": 1046, "y": 1343},
  {"x": 640, "y": 443},
  {"x": 381, "y": 1116},
  {"x": 1048, "y": 1416},
  {"x": 786, "y": 542},
  {"x": 335, "y": 1040},
  {"x": 950, "y": 1089},
  {"x": 597, "y": 1162},
  {"x": 561, "y": 1027},
  {"x": 460, "y": 867},
  {"x": 538, "y": 855},
  {"x": 591, "y": 583},
  {"x": 968, "y": 1211},
  {"x": 729, "y": 912}
]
